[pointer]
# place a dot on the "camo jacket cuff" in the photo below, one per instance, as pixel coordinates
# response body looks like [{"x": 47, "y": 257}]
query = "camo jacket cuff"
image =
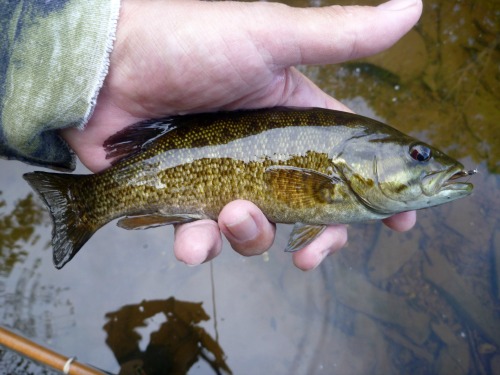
[{"x": 54, "y": 57}]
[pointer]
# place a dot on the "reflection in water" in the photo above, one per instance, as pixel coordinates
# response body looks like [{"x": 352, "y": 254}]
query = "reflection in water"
[
  {"x": 174, "y": 347},
  {"x": 26, "y": 305},
  {"x": 17, "y": 229}
]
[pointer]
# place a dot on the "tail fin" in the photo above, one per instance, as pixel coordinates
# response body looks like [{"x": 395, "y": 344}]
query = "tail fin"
[{"x": 69, "y": 232}]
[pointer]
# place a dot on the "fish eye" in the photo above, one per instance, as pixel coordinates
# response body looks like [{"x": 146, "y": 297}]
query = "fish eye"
[{"x": 420, "y": 153}]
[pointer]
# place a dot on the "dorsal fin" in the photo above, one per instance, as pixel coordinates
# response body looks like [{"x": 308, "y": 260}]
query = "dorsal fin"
[{"x": 137, "y": 137}]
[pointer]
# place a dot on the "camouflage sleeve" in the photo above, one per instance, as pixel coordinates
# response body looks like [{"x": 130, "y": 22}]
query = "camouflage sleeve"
[{"x": 54, "y": 56}]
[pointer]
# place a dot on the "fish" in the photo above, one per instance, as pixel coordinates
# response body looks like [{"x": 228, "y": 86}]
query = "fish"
[{"x": 310, "y": 167}]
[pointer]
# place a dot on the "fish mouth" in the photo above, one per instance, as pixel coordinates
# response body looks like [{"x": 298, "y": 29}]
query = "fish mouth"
[
  {"x": 449, "y": 182},
  {"x": 452, "y": 180}
]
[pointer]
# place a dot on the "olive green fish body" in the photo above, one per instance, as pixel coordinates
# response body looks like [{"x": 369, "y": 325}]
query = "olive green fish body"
[
  {"x": 311, "y": 167},
  {"x": 202, "y": 179}
]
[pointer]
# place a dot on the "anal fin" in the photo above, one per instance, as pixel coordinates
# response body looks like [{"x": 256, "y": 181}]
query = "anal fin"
[
  {"x": 302, "y": 235},
  {"x": 155, "y": 220}
]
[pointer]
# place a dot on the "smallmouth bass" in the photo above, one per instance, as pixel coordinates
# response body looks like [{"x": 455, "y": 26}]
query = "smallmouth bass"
[{"x": 305, "y": 166}]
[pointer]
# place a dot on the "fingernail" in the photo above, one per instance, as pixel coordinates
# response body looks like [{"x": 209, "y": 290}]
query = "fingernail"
[
  {"x": 243, "y": 230},
  {"x": 398, "y": 4}
]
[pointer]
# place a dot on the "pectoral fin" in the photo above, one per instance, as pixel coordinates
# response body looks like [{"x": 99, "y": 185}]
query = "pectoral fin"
[
  {"x": 300, "y": 186},
  {"x": 302, "y": 235},
  {"x": 154, "y": 220}
]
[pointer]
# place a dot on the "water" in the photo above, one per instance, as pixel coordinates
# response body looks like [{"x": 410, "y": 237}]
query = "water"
[{"x": 422, "y": 302}]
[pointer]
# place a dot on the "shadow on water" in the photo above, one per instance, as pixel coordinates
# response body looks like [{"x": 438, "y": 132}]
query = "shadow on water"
[
  {"x": 422, "y": 302},
  {"x": 175, "y": 345}
]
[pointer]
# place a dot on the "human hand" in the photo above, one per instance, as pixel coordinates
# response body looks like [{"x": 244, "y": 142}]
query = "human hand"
[{"x": 179, "y": 57}]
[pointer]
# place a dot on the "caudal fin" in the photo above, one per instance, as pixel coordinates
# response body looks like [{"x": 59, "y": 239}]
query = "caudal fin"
[{"x": 69, "y": 232}]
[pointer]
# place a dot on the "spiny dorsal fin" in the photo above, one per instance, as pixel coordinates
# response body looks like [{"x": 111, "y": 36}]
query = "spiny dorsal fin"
[{"x": 137, "y": 137}]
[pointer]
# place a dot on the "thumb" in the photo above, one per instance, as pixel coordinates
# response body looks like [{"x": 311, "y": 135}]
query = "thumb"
[{"x": 333, "y": 34}]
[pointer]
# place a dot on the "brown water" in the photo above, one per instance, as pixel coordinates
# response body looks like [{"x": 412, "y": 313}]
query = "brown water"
[{"x": 423, "y": 302}]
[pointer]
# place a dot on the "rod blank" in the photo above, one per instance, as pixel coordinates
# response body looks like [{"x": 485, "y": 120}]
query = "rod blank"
[{"x": 43, "y": 355}]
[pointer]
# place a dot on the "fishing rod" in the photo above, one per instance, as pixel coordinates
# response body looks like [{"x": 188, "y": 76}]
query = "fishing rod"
[{"x": 43, "y": 355}]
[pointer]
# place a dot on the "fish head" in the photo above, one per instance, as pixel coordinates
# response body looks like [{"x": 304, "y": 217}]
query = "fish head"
[
  {"x": 399, "y": 173},
  {"x": 422, "y": 176}
]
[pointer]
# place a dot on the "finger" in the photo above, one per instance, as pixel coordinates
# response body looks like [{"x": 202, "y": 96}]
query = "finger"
[
  {"x": 401, "y": 222},
  {"x": 197, "y": 242},
  {"x": 329, "y": 35},
  {"x": 332, "y": 239},
  {"x": 300, "y": 91},
  {"x": 246, "y": 228}
]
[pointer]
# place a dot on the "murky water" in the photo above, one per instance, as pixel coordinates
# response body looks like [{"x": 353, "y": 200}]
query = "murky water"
[{"x": 422, "y": 302}]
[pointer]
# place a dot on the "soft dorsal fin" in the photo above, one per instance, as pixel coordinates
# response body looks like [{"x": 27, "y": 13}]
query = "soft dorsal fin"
[{"x": 137, "y": 137}]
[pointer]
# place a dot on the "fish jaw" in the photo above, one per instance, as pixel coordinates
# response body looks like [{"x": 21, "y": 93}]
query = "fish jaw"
[{"x": 446, "y": 186}]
